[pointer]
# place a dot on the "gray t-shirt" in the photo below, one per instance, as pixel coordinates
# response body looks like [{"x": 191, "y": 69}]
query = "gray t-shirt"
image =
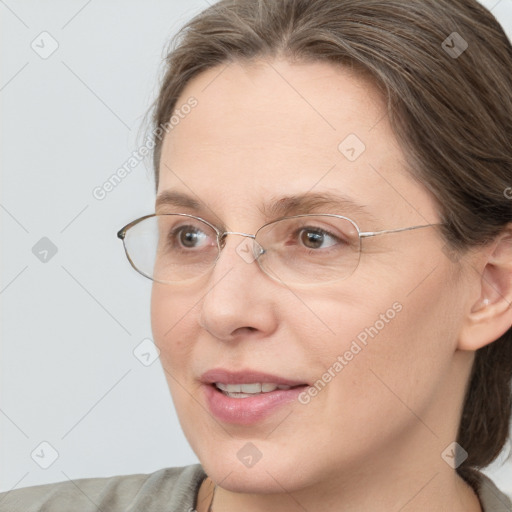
[{"x": 165, "y": 490}]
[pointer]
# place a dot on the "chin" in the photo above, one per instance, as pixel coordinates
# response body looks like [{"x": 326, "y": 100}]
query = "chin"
[
  {"x": 261, "y": 478},
  {"x": 229, "y": 464}
]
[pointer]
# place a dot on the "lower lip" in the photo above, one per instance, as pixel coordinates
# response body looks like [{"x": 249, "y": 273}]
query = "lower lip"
[{"x": 246, "y": 411}]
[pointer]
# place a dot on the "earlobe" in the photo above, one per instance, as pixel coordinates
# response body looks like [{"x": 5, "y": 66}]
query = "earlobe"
[{"x": 490, "y": 316}]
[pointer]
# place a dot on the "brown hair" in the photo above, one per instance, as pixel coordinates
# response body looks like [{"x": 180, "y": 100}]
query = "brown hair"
[{"x": 452, "y": 112}]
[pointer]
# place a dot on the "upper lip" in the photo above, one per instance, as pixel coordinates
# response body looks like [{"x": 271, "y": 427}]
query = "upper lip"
[{"x": 245, "y": 377}]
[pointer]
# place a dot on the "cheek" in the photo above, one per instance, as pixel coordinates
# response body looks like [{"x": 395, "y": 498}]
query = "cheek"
[
  {"x": 174, "y": 333},
  {"x": 172, "y": 327},
  {"x": 391, "y": 354}
]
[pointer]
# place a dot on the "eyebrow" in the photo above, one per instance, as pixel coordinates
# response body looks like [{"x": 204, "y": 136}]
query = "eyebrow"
[{"x": 276, "y": 207}]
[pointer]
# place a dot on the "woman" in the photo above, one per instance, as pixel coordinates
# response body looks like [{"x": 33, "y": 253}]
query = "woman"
[{"x": 332, "y": 261}]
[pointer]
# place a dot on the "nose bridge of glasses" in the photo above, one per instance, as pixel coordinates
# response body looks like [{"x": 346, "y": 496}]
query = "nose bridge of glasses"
[
  {"x": 222, "y": 236},
  {"x": 237, "y": 233},
  {"x": 247, "y": 253}
]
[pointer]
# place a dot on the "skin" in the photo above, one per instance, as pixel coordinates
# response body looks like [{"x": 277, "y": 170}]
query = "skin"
[{"x": 376, "y": 432}]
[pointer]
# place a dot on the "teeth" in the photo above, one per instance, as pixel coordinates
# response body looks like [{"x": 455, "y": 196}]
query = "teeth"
[{"x": 249, "y": 389}]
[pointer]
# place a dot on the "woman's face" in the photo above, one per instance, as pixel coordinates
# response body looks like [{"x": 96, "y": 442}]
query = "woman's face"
[{"x": 382, "y": 342}]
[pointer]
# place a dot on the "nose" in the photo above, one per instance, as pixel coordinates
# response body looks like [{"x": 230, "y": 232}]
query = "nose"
[{"x": 239, "y": 299}]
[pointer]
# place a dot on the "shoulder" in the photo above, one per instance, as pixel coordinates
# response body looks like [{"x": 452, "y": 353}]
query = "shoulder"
[
  {"x": 166, "y": 489},
  {"x": 491, "y": 498}
]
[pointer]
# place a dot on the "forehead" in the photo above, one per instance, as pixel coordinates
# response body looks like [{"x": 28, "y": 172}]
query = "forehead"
[
  {"x": 272, "y": 128},
  {"x": 275, "y": 106}
]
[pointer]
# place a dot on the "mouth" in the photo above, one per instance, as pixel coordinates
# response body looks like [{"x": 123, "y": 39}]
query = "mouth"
[
  {"x": 247, "y": 397},
  {"x": 251, "y": 389}
]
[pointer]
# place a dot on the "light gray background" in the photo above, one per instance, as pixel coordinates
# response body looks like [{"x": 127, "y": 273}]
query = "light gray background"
[{"x": 69, "y": 325}]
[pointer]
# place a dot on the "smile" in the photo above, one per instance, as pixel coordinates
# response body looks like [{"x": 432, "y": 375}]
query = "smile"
[{"x": 248, "y": 390}]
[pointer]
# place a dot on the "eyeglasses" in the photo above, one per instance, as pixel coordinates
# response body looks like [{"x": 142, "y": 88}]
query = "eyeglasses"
[{"x": 302, "y": 249}]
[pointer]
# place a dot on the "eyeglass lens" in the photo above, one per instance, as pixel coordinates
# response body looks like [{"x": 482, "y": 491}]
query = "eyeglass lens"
[{"x": 302, "y": 249}]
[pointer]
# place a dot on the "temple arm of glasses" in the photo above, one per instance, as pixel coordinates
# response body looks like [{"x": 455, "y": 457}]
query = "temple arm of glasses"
[{"x": 373, "y": 233}]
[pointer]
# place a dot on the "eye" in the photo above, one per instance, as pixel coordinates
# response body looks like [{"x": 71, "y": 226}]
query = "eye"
[
  {"x": 188, "y": 236},
  {"x": 316, "y": 238}
]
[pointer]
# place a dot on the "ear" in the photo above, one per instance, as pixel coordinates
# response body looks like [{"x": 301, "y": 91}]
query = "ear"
[{"x": 491, "y": 315}]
